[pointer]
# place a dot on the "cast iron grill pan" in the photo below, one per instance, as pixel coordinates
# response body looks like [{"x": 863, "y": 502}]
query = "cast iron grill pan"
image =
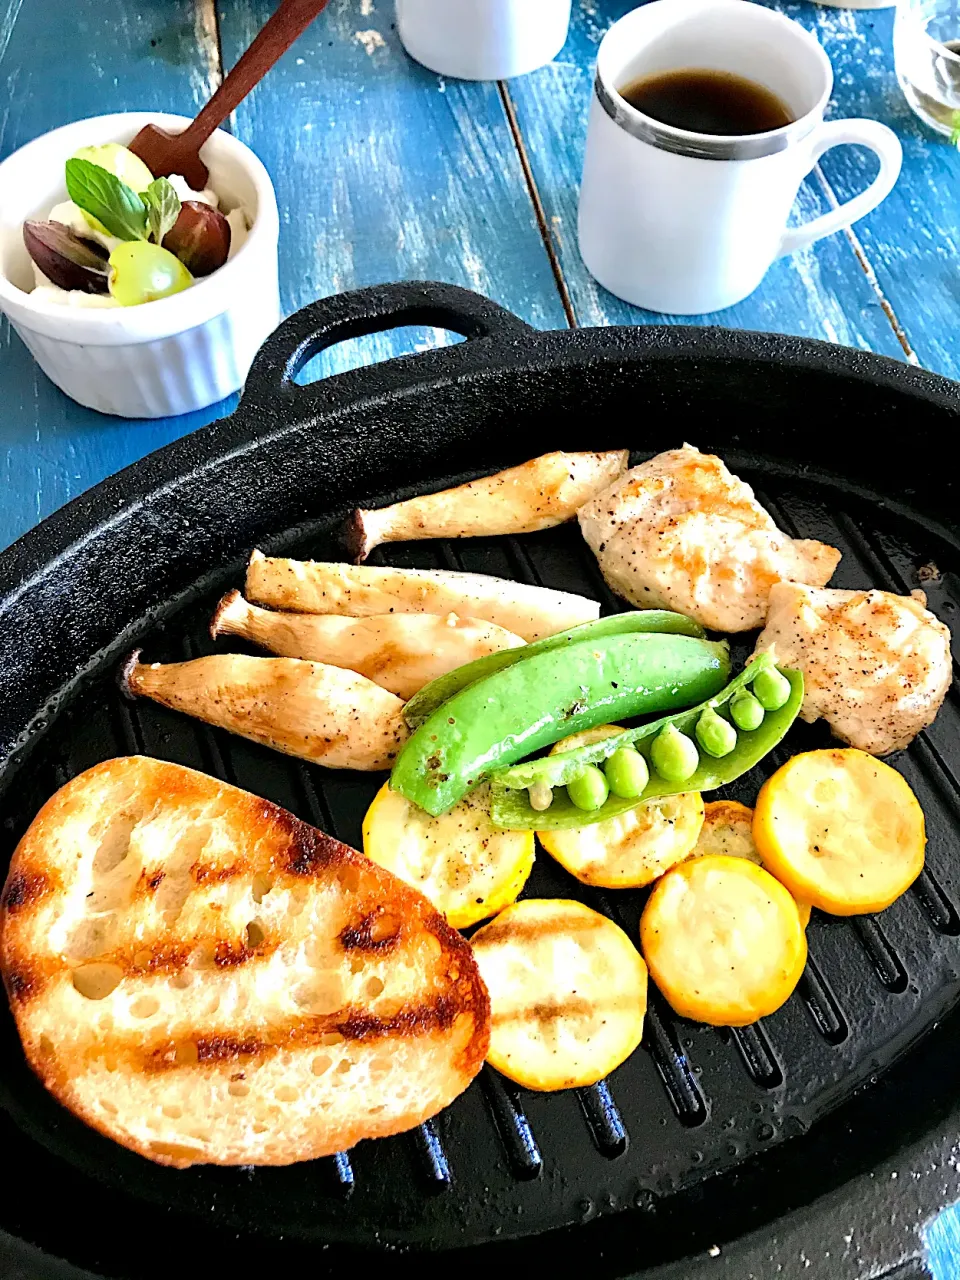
[{"x": 703, "y": 1134}]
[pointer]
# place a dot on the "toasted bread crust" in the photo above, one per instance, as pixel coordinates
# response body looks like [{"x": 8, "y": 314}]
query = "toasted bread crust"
[{"x": 214, "y": 914}]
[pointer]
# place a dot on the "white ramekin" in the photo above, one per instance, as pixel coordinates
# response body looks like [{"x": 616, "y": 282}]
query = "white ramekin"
[
  {"x": 162, "y": 358},
  {"x": 483, "y": 39}
]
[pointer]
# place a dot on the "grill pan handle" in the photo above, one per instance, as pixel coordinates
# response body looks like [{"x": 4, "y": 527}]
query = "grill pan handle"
[{"x": 328, "y": 321}]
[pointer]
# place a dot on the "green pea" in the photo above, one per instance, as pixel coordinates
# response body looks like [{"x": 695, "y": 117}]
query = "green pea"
[
  {"x": 627, "y": 773},
  {"x": 716, "y": 736},
  {"x": 746, "y": 711},
  {"x": 674, "y": 755},
  {"x": 771, "y": 689},
  {"x": 588, "y": 789}
]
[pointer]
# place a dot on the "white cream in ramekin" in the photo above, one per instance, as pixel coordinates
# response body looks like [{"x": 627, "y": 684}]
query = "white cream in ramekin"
[
  {"x": 71, "y": 215},
  {"x": 161, "y": 358}
]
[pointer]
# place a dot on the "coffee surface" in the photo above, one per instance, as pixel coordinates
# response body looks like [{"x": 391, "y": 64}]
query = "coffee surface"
[{"x": 702, "y": 100}]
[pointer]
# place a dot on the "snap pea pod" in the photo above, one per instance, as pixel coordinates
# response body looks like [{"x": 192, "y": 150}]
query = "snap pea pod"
[
  {"x": 510, "y": 805},
  {"x": 432, "y": 695},
  {"x": 533, "y": 703}
]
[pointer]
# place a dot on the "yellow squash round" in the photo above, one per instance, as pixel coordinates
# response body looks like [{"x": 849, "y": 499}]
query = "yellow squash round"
[
  {"x": 727, "y": 831},
  {"x": 841, "y": 829},
  {"x": 465, "y": 866},
  {"x": 568, "y": 993},
  {"x": 723, "y": 941}
]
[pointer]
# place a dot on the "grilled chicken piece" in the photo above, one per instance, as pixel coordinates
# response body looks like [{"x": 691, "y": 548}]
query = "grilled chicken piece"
[
  {"x": 313, "y": 586},
  {"x": 398, "y": 651},
  {"x": 306, "y": 709},
  {"x": 205, "y": 979},
  {"x": 537, "y": 495},
  {"x": 875, "y": 665},
  {"x": 681, "y": 532}
]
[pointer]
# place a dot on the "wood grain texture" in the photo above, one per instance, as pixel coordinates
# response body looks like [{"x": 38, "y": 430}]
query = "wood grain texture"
[
  {"x": 122, "y": 57},
  {"x": 821, "y": 292},
  {"x": 913, "y": 239},
  {"x": 385, "y": 171}
]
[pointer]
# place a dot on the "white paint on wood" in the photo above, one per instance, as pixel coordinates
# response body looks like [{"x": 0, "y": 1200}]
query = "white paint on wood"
[
  {"x": 206, "y": 75},
  {"x": 371, "y": 41},
  {"x": 7, "y": 23}
]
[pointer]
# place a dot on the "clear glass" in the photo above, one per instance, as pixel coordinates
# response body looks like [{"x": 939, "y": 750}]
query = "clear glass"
[{"x": 926, "y": 50}]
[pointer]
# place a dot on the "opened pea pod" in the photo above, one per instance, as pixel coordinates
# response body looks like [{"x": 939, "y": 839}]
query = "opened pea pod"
[{"x": 699, "y": 749}]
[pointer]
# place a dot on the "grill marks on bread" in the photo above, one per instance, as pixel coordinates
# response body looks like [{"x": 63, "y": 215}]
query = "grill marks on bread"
[
  {"x": 303, "y": 1033},
  {"x": 23, "y": 889},
  {"x": 162, "y": 931}
]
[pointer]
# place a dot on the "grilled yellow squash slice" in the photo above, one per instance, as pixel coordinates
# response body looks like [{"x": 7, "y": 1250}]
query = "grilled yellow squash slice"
[
  {"x": 568, "y": 993},
  {"x": 841, "y": 829},
  {"x": 727, "y": 832},
  {"x": 465, "y": 866},
  {"x": 723, "y": 940}
]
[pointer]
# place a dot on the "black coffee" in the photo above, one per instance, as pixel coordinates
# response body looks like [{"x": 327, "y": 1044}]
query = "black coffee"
[{"x": 705, "y": 101}]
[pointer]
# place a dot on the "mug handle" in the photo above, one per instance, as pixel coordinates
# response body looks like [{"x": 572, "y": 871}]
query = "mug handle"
[{"x": 866, "y": 133}]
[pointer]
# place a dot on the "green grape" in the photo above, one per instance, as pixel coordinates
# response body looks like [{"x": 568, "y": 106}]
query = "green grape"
[
  {"x": 588, "y": 790},
  {"x": 746, "y": 712},
  {"x": 119, "y": 161},
  {"x": 674, "y": 755},
  {"x": 771, "y": 689},
  {"x": 627, "y": 773},
  {"x": 716, "y": 736},
  {"x": 142, "y": 272}
]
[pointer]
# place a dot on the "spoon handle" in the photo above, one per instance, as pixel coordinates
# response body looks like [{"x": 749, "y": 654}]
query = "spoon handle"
[{"x": 278, "y": 33}]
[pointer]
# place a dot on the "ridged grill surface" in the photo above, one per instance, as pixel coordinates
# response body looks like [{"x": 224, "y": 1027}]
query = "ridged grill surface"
[{"x": 693, "y": 1101}]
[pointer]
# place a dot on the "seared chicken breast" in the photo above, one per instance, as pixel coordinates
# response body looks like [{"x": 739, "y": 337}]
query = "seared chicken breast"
[
  {"x": 876, "y": 666},
  {"x": 682, "y": 532}
]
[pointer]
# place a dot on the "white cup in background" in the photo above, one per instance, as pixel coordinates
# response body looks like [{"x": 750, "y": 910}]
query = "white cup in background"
[
  {"x": 685, "y": 222},
  {"x": 483, "y": 39}
]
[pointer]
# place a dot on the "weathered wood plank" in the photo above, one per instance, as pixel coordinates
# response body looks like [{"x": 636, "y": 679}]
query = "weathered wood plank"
[
  {"x": 384, "y": 171},
  {"x": 822, "y": 292},
  {"x": 121, "y": 57},
  {"x": 913, "y": 239}
]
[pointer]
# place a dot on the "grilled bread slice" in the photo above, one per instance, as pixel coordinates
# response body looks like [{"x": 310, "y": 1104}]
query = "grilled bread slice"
[{"x": 206, "y": 979}]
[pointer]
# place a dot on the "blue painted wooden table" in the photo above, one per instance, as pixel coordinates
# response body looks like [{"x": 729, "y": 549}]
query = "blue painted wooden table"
[{"x": 385, "y": 171}]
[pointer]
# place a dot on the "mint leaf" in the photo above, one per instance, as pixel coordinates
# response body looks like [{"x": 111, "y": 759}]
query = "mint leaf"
[
  {"x": 163, "y": 208},
  {"x": 115, "y": 205}
]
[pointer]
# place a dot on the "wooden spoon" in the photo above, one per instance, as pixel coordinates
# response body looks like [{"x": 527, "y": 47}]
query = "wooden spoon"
[{"x": 166, "y": 153}]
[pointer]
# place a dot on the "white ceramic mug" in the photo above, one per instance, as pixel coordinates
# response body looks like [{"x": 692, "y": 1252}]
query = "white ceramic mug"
[
  {"x": 687, "y": 222},
  {"x": 483, "y": 39}
]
